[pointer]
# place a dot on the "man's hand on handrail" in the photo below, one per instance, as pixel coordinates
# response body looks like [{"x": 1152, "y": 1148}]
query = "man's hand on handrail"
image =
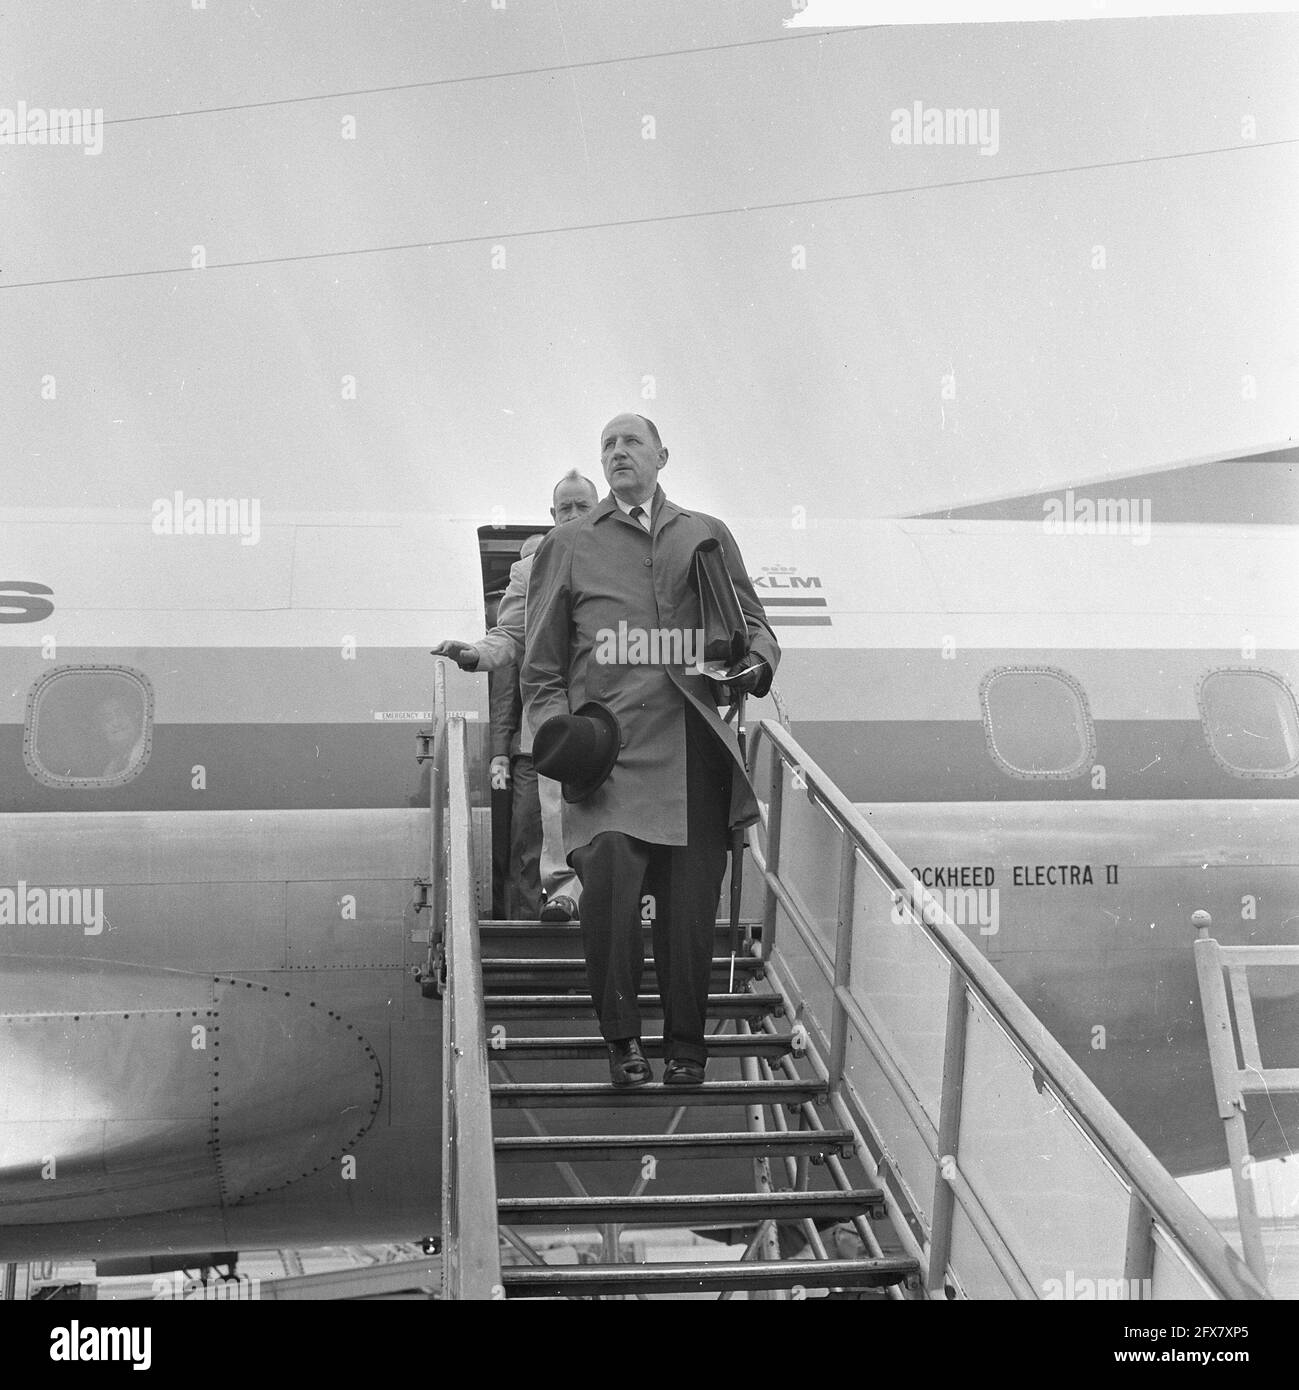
[{"x": 464, "y": 654}]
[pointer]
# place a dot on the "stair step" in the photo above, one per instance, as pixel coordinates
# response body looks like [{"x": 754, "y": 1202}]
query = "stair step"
[
  {"x": 713, "y": 1209},
  {"x": 583, "y": 1048},
  {"x": 489, "y": 926},
  {"x": 554, "y": 1095},
  {"x": 515, "y": 975},
  {"x": 586, "y": 1281},
  {"x": 552, "y": 965},
  {"x": 565, "y": 939},
  {"x": 753, "y": 1005},
  {"x": 556, "y": 1148}
]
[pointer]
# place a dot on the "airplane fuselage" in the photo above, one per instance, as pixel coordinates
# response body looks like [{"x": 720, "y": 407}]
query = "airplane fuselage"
[{"x": 242, "y": 1056}]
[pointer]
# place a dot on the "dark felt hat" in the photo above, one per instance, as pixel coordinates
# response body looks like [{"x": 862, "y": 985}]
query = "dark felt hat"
[{"x": 578, "y": 749}]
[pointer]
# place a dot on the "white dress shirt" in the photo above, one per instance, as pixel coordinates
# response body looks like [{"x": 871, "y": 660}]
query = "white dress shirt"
[{"x": 646, "y": 507}]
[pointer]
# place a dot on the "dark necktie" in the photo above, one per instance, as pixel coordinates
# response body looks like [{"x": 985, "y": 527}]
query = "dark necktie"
[{"x": 636, "y": 513}]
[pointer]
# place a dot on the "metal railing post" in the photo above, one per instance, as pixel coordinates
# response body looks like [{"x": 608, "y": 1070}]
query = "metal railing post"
[
  {"x": 1139, "y": 1253},
  {"x": 842, "y": 958},
  {"x": 437, "y": 790},
  {"x": 471, "y": 1249},
  {"x": 776, "y": 789},
  {"x": 949, "y": 1131}
]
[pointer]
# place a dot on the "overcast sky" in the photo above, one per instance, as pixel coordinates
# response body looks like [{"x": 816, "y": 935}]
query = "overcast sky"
[{"x": 628, "y": 258}]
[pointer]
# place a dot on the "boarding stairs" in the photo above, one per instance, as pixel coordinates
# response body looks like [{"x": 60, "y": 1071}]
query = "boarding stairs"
[
  {"x": 612, "y": 1162},
  {"x": 882, "y": 1117}
]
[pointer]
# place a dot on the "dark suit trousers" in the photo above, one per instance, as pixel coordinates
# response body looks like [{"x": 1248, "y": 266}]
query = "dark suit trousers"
[
  {"x": 523, "y": 896},
  {"x": 683, "y": 883}
]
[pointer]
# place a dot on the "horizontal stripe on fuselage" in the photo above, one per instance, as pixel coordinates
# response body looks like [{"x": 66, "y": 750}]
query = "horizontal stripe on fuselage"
[
  {"x": 839, "y": 681},
  {"x": 251, "y": 766}
]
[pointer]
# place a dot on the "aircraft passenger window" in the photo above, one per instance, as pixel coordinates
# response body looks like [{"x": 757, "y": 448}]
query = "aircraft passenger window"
[
  {"x": 1251, "y": 722},
  {"x": 88, "y": 726},
  {"x": 1036, "y": 721}
]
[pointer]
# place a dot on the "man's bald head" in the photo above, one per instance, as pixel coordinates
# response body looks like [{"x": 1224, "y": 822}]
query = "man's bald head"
[
  {"x": 653, "y": 430},
  {"x": 631, "y": 454}
]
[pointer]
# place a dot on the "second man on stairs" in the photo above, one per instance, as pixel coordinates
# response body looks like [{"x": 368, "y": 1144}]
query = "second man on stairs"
[{"x": 537, "y": 863}]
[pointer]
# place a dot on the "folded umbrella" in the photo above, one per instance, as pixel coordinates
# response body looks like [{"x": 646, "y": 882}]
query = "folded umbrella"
[
  {"x": 737, "y": 856},
  {"x": 726, "y": 639}
]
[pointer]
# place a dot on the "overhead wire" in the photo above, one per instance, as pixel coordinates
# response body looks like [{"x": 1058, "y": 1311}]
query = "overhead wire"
[
  {"x": 619, "y": 223},
  {"x": 563, "y": 229},
  {"x": 541, "y": 71}
]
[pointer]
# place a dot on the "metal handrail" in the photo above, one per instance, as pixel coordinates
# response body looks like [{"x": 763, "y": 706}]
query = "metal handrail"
[
  {"x": 470, "y": 1236},
  {"x": 1214, "y": 1261},
  {"x": 437, "y": 788}
]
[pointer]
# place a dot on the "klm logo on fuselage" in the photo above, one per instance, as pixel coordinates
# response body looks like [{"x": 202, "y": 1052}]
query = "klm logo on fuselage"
[
  {"x": 791, "y": 599},
  {"x": 793, "y": 581}
]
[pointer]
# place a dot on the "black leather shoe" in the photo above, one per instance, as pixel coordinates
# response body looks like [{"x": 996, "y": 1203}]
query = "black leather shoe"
[
  {"x": 628, "y": 1066},
  {"x": 683, "y": 1071},
  {"x": 560, "y": 909}
]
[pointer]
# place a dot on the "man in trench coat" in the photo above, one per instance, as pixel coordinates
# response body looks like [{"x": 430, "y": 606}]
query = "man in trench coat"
[{"x": 658, "y": 825}]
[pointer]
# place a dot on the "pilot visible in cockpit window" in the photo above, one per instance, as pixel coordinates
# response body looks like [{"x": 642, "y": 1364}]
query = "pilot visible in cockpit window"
[{"x": 121, "y": 733}]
